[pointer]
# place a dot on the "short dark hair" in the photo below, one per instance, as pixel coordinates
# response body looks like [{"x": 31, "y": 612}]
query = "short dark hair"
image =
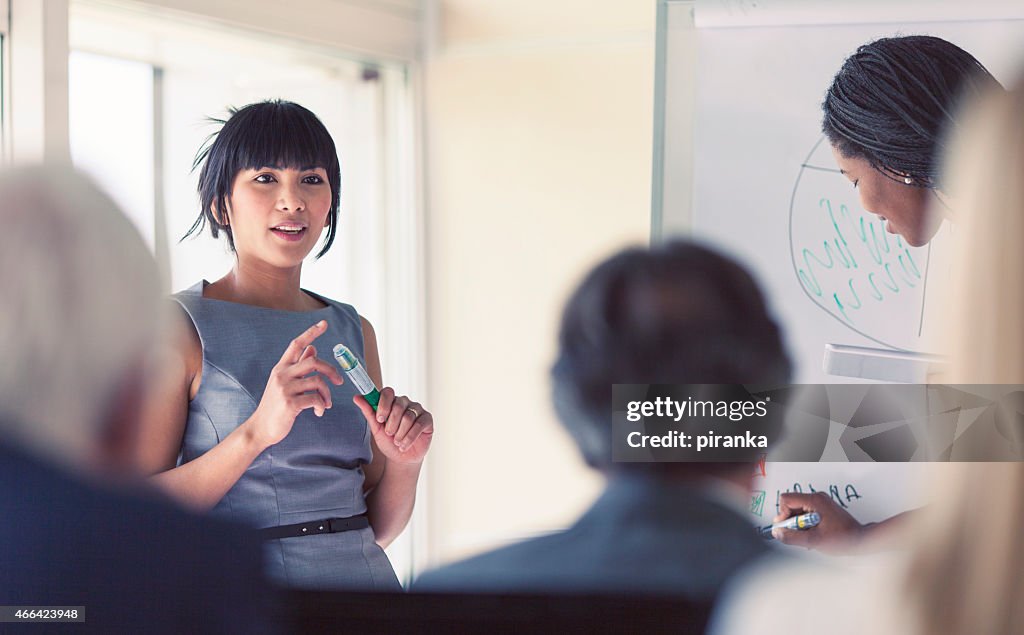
[
  {"x": 679, "y": 313},
  {"x": 267, "y": 133},
  {"x": 896, "y": 99}
]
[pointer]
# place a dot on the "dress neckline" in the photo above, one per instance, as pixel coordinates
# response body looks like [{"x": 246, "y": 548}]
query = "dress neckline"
[{"x": 200, "y": 286}]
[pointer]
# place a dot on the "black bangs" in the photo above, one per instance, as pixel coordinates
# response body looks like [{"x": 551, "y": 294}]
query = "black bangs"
[
  {"x": 277, "y": 134},
  {"x": 284, "y": 135}
]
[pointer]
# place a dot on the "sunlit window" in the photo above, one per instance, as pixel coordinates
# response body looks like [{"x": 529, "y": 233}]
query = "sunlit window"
[{"x": 111, "y": 130}]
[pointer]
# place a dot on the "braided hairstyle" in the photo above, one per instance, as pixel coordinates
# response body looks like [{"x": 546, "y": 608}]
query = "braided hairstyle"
[{"x": 895, "y": 100}]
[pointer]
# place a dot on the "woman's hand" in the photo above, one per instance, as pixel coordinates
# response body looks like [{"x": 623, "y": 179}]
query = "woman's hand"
[
  {"x": 295, "y": 383},
  {"x": 837, "y": 532},
  {"x": 401, "y": 427}
]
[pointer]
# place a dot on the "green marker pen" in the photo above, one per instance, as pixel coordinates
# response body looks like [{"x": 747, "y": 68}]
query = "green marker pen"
[{"x": 357, "y": 374}]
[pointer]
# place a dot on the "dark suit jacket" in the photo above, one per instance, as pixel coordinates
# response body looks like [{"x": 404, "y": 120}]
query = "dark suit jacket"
[
  {"x": 137, "y": 564},
  {"x": 641, "y": 536}
]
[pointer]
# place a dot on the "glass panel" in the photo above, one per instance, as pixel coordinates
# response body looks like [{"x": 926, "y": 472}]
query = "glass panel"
[{"x": 111, "y": 130}]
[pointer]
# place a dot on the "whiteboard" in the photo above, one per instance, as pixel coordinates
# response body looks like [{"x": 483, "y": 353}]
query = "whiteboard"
[
  {"x": 758, "y": 13},
  {"x": 862, "y": 489},
  {"x": 761, "y": 184},
  {"x": 740, "y": 163}
]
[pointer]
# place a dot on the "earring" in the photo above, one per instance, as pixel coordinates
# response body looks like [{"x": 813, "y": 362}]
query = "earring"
[{"x": 908, "y": 180}]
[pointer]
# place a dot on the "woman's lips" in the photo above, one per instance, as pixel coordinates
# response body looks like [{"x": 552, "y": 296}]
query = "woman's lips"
[{"x": 290, "y": 236}]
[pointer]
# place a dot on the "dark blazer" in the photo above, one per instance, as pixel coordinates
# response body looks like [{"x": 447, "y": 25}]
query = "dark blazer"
[
  {"x": 138, "y": 564},
  {"x": 641, "y": 536}
]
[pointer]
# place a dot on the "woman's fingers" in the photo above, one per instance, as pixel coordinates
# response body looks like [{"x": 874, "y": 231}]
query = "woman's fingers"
[
  {"x": 412, "y": 411},
  {"x": 297, "y": 347},
  {"x": 418, "y": 429},
  {"x": 303, "y": 372},
  {"x": 312, "y": 364},
  {"x": 836, "y": 525},
  {"x": 794, "y": 504},
  {"x": 367, "y": 411},
  {"x": 311, "y": 400},
  {"x": 394, "y": 421},
  {"x": 398, "y": 423},
  {"x": 309, "y": 384},
  {"x": 387, "y": 397}
]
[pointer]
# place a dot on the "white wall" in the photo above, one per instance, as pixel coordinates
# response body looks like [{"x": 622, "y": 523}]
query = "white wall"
[
  {"x": 539, "y": 128},
  {"x": 373, "y": 28}
]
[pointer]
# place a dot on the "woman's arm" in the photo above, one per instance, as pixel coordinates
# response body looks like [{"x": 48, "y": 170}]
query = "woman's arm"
[
  {"x": 202, "y": 482},
  {"x": 838, "y": 532},
  {"x": 399, "y": 444}
]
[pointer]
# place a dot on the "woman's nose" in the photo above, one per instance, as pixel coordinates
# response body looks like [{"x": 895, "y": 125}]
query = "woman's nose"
[{"x": 291, "y": 199}]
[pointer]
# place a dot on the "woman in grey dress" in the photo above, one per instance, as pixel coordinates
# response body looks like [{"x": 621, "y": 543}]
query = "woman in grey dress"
[{"x": 254, "y": 425}]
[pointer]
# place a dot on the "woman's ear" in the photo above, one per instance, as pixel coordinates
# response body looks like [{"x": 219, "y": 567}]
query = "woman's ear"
[{"x": 902, "y": 176}]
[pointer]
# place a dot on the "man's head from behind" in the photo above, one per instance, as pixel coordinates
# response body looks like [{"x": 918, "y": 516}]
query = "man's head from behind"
[
  {"x": 79, "y": 296},
  {"x": 674, "y": 314}
]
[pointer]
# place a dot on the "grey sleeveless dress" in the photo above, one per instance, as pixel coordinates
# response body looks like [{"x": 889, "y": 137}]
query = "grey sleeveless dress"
[{"x": 313, "y": 473}]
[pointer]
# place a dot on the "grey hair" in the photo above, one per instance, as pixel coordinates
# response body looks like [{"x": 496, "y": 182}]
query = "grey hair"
[{"x": 79, "y": 308}]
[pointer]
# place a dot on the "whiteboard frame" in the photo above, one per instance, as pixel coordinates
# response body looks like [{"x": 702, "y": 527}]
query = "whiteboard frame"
[
  {"x": 658, "y": 160},
  {"x": 672, "y": 14},
  {"x": 780, "y": 13}
]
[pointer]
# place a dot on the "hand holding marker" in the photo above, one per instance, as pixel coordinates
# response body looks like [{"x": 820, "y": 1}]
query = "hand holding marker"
[
  {"x": 355, "y": 372},
  {"x": 803, "y": 521},
  {"x": 401, "y": 427}
]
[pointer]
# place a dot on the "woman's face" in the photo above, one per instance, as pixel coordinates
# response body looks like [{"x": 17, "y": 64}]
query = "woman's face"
[
  {"x": 277, "y": 214},
  {"x": 904, "y": 208}
]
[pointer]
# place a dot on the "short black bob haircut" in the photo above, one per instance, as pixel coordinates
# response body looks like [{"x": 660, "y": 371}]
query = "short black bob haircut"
[
  {"x": 896, "y": 100},
  {"x": 267, "y": 133}
]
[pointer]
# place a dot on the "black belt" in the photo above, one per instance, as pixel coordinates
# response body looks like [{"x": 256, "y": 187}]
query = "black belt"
[{"x": 325, "y": 526}]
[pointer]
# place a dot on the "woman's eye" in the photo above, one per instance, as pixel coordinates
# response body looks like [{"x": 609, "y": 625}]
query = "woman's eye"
[
  {"x": 313, "y": 179},
  {"x": 264, "y": 178},
  {"x": 855, "y": 183}
]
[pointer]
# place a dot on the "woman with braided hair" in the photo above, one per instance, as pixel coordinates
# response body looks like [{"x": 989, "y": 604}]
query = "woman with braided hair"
[
  {"x": 887, "y": 115},
  {"x": 960, "y": 571}
]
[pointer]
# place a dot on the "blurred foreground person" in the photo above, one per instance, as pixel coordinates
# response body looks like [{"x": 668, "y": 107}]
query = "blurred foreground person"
[
  {"x": 681, "y": 314},
  {"x": 79, "y": 314}
]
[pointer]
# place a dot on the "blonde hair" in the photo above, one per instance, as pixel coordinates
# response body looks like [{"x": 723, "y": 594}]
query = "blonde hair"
[
  {"x": 79, "y": 296},
  {"x": 966, "y": 572},
  {"x": 986, "y": 170}
]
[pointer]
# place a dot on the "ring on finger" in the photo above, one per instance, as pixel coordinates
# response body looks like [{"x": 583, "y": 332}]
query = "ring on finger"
[{"x": 415, "y": 412}]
